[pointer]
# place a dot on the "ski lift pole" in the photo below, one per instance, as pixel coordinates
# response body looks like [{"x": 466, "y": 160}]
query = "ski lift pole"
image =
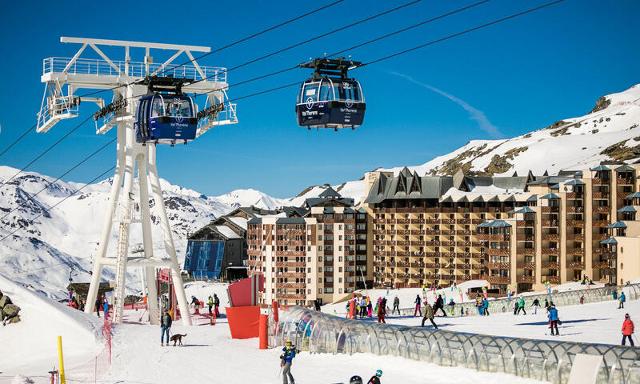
[{"x": 63, "y": 379}]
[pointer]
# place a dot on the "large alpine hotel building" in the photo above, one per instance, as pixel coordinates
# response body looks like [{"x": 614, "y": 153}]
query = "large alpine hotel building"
[{"x": 518, "y": 233}]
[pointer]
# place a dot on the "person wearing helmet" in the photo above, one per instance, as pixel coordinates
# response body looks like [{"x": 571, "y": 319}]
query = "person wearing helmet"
[
  {"x": 376, "y": 378},
  {"x": 355, "y": 380},
  {"x": 289, "y": 352}
]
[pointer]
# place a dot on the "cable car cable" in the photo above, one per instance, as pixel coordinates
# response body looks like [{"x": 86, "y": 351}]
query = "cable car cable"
[
  {"x": 325, "y": 34},
  {"x": 242, "y": 40},
  {"x": 466, "y": 31},
  {"x": 16, "y": 141},
  {"x": 60, "y": 140},
  {"x": 60, "y": 202},
  {"x": 49, "y": 183},
  {"x": 432, "y": 42},
  {"x": 382, "y": 37}
]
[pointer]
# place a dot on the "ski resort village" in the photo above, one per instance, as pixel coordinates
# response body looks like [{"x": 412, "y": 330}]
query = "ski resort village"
[{"x": 458, "y": 182}]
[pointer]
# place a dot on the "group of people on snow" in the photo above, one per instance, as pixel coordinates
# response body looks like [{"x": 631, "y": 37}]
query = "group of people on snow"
[
  {"x": 213, "y": 304},
  {"x": 362, "y": 307}
]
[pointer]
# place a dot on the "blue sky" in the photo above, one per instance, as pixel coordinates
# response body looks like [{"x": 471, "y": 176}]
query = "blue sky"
[{"x": 499, "y": 82}]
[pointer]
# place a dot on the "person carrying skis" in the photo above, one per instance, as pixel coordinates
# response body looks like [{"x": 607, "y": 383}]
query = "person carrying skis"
[
  {"x": 375, "y": 379},
  {"x": 428, "y": 314},
  {"x": 553, "y": 319},
  {"x": 535, "y": 305},
  {"x": 439, "y": 305},
  {"x": 286, "y": 359},
  {"x": 628, "y": 328},
  {"x": 216, "y": 305},
  {"x": 165, "y": 328},
  {"x": 396, "y": 305},
  {"x": 417, "y": 311},
  {"x": 621, "y": 299},
  {"x": 210, "y": 304}
]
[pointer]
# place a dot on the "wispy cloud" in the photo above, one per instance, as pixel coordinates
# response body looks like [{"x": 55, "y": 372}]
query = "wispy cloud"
[{"x": 474, "y": 113}]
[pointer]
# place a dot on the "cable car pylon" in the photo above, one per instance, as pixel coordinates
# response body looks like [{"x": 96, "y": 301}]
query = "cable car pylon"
[{"x": 137, "y": 88}]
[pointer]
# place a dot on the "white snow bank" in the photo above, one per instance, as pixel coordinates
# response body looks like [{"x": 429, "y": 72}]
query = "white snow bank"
[{"x": 30, "y": 346}]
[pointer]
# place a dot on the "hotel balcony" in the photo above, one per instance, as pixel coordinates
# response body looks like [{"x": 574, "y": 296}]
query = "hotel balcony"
[
  {"x": 599, "y": 181},
  {"x": 550, "y": 251},
  {"x": 498, "y": 265},
  {"x": 551, "y": 236},
  {"x": 624, "y": 181},
  {"x": 601, "y": 209},
  {"x": 576, "y": 264},
  {"x": 526, "y": 251},
  {"x": 499, "y": 251},
  {"x": 498, "y": 279},
  {"x": 526, "y": 265},
  {"x": 551, "y": 264},
  {"x": 551, "y": 279},
  {"x": 526, "y": 279}
]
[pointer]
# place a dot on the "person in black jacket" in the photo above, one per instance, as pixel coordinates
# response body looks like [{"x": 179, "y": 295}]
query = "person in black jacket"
[
  {"x": 165, "y": 326},
  {"x": 439, "y": 305}
]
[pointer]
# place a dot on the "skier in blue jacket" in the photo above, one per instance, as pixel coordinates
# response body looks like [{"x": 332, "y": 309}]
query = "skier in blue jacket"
[
  {"x": 286, "y": 359},
  {"x": 553, "y": 319}
]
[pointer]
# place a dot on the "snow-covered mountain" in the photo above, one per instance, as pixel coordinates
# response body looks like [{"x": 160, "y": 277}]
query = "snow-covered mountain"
[
  {"x": 611, "y": 131},
  {"x": 63, "y": 239}
]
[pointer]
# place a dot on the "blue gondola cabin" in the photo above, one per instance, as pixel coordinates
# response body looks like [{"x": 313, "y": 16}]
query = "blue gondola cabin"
[{"x": 166, "y": 119}]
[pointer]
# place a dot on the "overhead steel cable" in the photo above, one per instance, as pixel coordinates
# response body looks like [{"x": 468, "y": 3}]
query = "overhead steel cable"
[
  {"x": 234, "y": 43},
  {"x": 49, "y": 183},
  {"x": 423, "y": 45},
  {"x": 359, "y": 45},
  {"x": 295, "y": 45},
  {"x": 60, "y": 140},
  {"x": 466, "y": 31},
  {"x": 16, "y": 141},
  {"x": 317, "y": 37},
  {"x": 30, "y": 221}
]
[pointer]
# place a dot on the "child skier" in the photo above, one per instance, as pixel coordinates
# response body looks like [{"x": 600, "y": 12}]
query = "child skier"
[{"x": 286, "y": 359}]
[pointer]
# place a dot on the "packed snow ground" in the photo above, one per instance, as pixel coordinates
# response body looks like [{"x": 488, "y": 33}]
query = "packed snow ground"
[
  {"x": 459, "y": 294},
  {"x": 589, "y": 323},
  {"x": 30, "y": 346},
  {"x": 210, "y": 355}
]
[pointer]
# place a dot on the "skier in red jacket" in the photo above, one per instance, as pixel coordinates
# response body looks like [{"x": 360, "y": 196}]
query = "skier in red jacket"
[{"x": 627, "y": 329}]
